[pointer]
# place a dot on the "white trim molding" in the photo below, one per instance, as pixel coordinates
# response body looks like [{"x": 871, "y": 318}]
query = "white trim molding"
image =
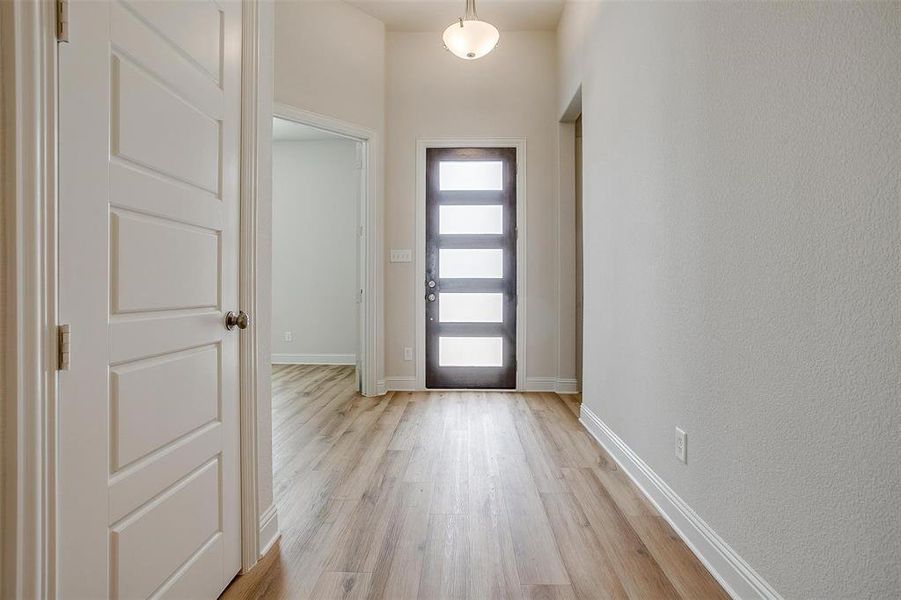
[
  {"x": 422, "y": 144},
  {"x": 738, "y": 578},
  {"x": 371, "y": 267},
  {"x": 401, "y": 384},
  {"x": 567, "y": 386},
  {"x": 408, "y": 383},
  {"x": 256, "y": 144},
  {"x": 29, "y": 350},
  {"x": 268, "y": 532},
  {"x": 314, "y": 359},
  {"x": 551, "y": 384}
]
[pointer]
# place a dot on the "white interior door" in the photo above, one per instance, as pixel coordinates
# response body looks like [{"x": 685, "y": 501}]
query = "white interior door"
[{"x": 148, "y": 486}]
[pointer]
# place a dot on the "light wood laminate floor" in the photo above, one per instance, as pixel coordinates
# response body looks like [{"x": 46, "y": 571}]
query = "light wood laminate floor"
[{"x": 454, "y": 495}]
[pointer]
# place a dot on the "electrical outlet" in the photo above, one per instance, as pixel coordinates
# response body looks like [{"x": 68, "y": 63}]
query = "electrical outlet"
[
  {"x": 681, "y": 445},
  {"x": 408, "y": 353},
  {"x": 288, "y": 337}
]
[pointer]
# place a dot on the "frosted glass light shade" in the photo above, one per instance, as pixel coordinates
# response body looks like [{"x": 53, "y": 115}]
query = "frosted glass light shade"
[{"x": 471, "y": 39}]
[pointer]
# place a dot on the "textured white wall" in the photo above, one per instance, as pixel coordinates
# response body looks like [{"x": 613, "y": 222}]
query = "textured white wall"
[
  {"x": 315, "y": 199},
  {"x": 509, "y": 93},
  {"x": 742, "y": 199},
  {"x": 330, "y": 59}
]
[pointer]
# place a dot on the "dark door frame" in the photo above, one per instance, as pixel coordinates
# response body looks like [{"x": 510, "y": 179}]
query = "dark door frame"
[{"x": 519, "y": 145}]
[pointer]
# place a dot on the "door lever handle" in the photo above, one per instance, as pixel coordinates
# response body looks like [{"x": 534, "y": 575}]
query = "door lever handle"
[{"x": 239, "y": 320}]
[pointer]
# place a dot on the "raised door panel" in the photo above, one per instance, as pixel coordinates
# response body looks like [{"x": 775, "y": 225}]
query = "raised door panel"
[
  {"x": 160, "y": 264},
  {"x": 155, "y": 128},
  {"x": 150, "y": 546},
  {"x": 157, "y": 401},
  {"x": 195, "y": 30}
]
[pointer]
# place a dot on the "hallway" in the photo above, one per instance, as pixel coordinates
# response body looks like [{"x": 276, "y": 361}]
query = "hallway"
[{"x": 454, "y": 495}]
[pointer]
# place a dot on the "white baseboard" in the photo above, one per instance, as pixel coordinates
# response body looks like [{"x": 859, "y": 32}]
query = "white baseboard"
[
  {"x": 724, "y": 563},
  {"x": 314, "y": 359},
  {"x": 400, "y": 384},
  {"x": 552, "y": 384},
  {"x": 269, "y": 532},
  {"x": 567, "y": 386},
  {"x": 541, "y": 384},
  {"x": 533, "y": 384}
]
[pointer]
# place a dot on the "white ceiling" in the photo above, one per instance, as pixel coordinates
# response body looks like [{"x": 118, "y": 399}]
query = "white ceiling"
[
  {"x": 436, "y": 15},
  {"x": 289, "y": 131}
]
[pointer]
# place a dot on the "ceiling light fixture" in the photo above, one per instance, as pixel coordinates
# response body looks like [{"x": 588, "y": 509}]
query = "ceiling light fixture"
[{"x": 469, "y": 38}]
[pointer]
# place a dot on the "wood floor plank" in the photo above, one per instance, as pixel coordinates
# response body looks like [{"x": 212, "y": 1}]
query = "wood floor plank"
[
  {"x": 398, "y": 567},
  {"x": 359, "y": 543},
  {"x": 310, "y": 451},
  {"x": 341, "y": 586},
  {"x": 504, "y": 440},
  {"x": 639, "y": 573},
  {"x": 540, "y": 452},
  {"x": 587, "y": 561},
  {"x": 494, "y": 573},
  {"x": 371, "y": 450},
  {"x": 549, "y": 592},
  {"x": 447, "y": 563},
  {"x": 304, "y": 549},
  {"x": 407, "y": 431},
  {"x": 451, "y": 474},
  {"x": 454, "y": 495},
  {"x": 428, "y": 445},
  {"x": 627, "y": 497},
  {"x": 683, "y": 568},
  {"x": 538, "y": 560}
]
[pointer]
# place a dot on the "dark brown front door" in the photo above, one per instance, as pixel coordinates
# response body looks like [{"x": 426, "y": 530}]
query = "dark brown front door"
[{"x": 470, "y": 277}]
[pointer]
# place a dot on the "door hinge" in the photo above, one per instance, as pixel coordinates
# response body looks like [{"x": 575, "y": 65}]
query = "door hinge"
[
  {"x": 63, "y": 346},
  {"x": 62, "y": 20}
]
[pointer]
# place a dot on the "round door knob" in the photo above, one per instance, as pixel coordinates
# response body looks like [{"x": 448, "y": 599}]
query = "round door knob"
[
  {"x": 239, "y": 320},
  {"x": 431, "y": 297}
]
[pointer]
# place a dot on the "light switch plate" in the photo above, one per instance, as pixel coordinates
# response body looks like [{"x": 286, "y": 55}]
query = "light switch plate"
[
  {"x": 403, "y": 255},
  {"x": 681, "y": 445}
]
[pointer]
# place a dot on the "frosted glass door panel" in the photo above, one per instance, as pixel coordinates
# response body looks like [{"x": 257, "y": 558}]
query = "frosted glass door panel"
[
  {"x": 470, "y": 263},
  {"x": 470, "y": 175},
  {"x": 455, "y": 219},
  {"x": 470, "y": 352},
  {"x": 471, "y": 308}
]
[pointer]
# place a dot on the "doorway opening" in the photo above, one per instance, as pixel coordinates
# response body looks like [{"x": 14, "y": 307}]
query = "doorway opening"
[{"x": 317, "y": 190}]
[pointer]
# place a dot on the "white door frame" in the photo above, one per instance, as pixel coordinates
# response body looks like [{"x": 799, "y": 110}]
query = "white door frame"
[
  {"x": 29, "y": 347},
  {"x": 422, "y": 144},
  {"x": 256, "y": 137},
  {"x": 370, "y": 264}
]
